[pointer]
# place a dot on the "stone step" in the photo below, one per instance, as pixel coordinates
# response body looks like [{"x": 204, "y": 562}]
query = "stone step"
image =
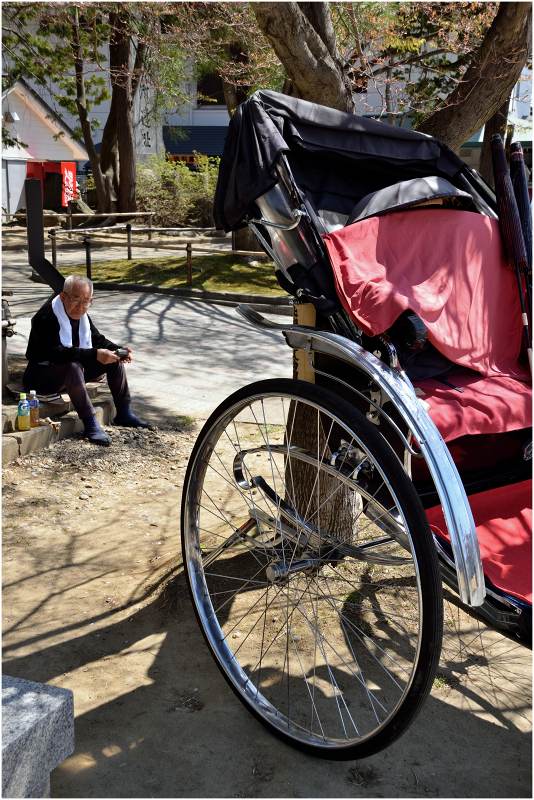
[
  {"x": 54, "y": 410},
  {"x": 22, "y": 443}
]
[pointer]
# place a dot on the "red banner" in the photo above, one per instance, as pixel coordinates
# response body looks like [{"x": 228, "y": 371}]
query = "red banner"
[{"x": 68, "y": 189}]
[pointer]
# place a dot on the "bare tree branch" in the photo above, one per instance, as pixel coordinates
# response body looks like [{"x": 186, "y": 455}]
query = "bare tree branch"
[
  {"x": 411, "y": 60},
  {"x": 488, "y": 81}
]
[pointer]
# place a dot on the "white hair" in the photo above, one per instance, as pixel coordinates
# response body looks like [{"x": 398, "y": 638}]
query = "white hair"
[{"x": 76, "y": 280}]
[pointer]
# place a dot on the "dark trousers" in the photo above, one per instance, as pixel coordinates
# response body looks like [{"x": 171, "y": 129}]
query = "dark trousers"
[{"x": 72, "y": 377}]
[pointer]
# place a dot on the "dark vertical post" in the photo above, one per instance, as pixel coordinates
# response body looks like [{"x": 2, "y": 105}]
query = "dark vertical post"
[
  {"x": 53, "y": 242},
  {"x": 129, "y": 240},
  {"x": 87, "y": 243},
  {"x": 34, "y": 222},
  {"x": 70, "y": 220},
  {"x": 189, "y": 263},
  {"x": 41, "y": 267},
  {"x": 150, "y": 228}
]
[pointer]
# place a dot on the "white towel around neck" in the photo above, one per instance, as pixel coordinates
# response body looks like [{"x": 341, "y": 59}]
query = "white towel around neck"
[{"x": 65, "y": 329}]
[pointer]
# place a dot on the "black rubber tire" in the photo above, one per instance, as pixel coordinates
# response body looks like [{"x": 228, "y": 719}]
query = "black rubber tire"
[{"x": 425, "y": 554}]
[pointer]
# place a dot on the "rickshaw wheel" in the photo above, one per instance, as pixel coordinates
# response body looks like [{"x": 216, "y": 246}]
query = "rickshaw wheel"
[{"x": 311, "y": 568}]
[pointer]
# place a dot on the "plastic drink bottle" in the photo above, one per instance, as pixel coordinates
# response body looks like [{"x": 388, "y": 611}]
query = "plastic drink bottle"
[
  {"x": 34, "y": 409},
  {"x": 23, "y": 413}
]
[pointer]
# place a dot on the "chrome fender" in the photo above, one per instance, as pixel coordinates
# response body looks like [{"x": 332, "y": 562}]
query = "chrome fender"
[{"x": 398, "y": 388}]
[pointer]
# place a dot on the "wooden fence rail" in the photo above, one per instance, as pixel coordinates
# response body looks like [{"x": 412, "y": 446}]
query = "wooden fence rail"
[{"x": 88, "y": 234}]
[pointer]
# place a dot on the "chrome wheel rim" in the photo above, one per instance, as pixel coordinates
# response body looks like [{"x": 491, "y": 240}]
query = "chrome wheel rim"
[{"x": 321, "y": 638}]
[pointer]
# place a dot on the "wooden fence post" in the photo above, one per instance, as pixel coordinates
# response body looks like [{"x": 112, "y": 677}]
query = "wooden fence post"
[
  {"x": 88, "y": 266},
  {"x": 129, "y": 239},
  {"x": 189, "y": 263}
]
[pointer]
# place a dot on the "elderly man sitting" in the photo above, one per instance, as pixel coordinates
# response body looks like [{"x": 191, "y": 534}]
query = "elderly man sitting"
[{"x": 65, "y": 350}]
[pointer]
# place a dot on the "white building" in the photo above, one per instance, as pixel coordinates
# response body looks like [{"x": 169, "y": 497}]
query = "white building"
[{"x": 43, "y": 136}]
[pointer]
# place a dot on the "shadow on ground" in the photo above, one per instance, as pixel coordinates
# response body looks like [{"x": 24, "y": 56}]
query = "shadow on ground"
[{"x": 183, "y": 733}]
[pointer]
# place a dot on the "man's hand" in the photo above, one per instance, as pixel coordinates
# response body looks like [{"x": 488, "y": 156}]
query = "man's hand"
[
  {"x": 128, "y": 359},
  {"x": 106, "y": 356}
]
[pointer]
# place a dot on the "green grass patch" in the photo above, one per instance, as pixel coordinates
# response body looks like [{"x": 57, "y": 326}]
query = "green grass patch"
[
  {"x": 185, "y": 422},
  {"x": 442, "y": 681},
  {"x": 212, "y": 273}
]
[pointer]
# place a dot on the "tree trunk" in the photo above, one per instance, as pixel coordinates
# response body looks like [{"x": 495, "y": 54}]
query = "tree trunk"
[
  {"x": 126, "y": 149},
  {"x": 489, "y": 79},
  {"x": 497, "y": 124},
  {"x": 315, "y": 72},
  {"x": 244, "y": 239},
  {"x": 81, "y": 105},
  {"x": 124, "y": 86},
  {"x": 233, "y": 95},
  {"x": 311, "y": 62},
  {"x": 109, "y": 151},
  {"x": 388, "y": 99},
  {"x": 122, "y": 99},
  {"x": 318, "y": 498}
]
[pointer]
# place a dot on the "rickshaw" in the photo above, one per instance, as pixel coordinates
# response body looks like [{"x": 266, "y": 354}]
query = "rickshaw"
[{"x": 322, "y": 514}]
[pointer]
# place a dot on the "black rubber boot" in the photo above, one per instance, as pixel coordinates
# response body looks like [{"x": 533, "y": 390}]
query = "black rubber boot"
[{"x": 94, "y": 432}]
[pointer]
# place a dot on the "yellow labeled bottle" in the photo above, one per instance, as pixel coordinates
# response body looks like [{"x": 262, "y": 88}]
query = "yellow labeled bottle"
[{"x": 23, "y": 413}]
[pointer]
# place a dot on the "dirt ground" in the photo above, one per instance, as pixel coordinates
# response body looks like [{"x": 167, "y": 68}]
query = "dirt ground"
[{"x": 91, "y": 541}]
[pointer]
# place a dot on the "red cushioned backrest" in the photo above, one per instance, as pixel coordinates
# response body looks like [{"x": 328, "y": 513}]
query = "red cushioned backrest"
[{"x": 445, "y": 265}]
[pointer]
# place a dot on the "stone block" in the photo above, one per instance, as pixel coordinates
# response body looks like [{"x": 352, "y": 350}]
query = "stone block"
[
  {"x": 95, "y": 387},
  {"x": 70, "y": 424},
  {"x": 10, "y": 449},
  {"x": 108, "y": 409},
  {"x": 37, "y": 735},
  {"x": 36, "y": 439},
  {"x": 55, "y": 409}
]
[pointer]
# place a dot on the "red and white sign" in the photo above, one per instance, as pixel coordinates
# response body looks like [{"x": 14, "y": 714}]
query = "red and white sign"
[{"x": 68, "y": 189}]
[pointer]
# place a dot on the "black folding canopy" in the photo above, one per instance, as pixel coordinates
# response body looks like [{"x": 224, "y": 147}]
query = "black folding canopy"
[{"x": 335, "y": 158}]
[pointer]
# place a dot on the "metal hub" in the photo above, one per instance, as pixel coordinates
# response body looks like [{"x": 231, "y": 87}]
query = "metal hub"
[{"x": 278, "y": 571}]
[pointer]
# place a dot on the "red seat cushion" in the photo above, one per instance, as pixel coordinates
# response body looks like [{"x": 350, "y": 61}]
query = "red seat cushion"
[
  {"x": 485, "y": 405},
  {"x": 503, "y": 519}
]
